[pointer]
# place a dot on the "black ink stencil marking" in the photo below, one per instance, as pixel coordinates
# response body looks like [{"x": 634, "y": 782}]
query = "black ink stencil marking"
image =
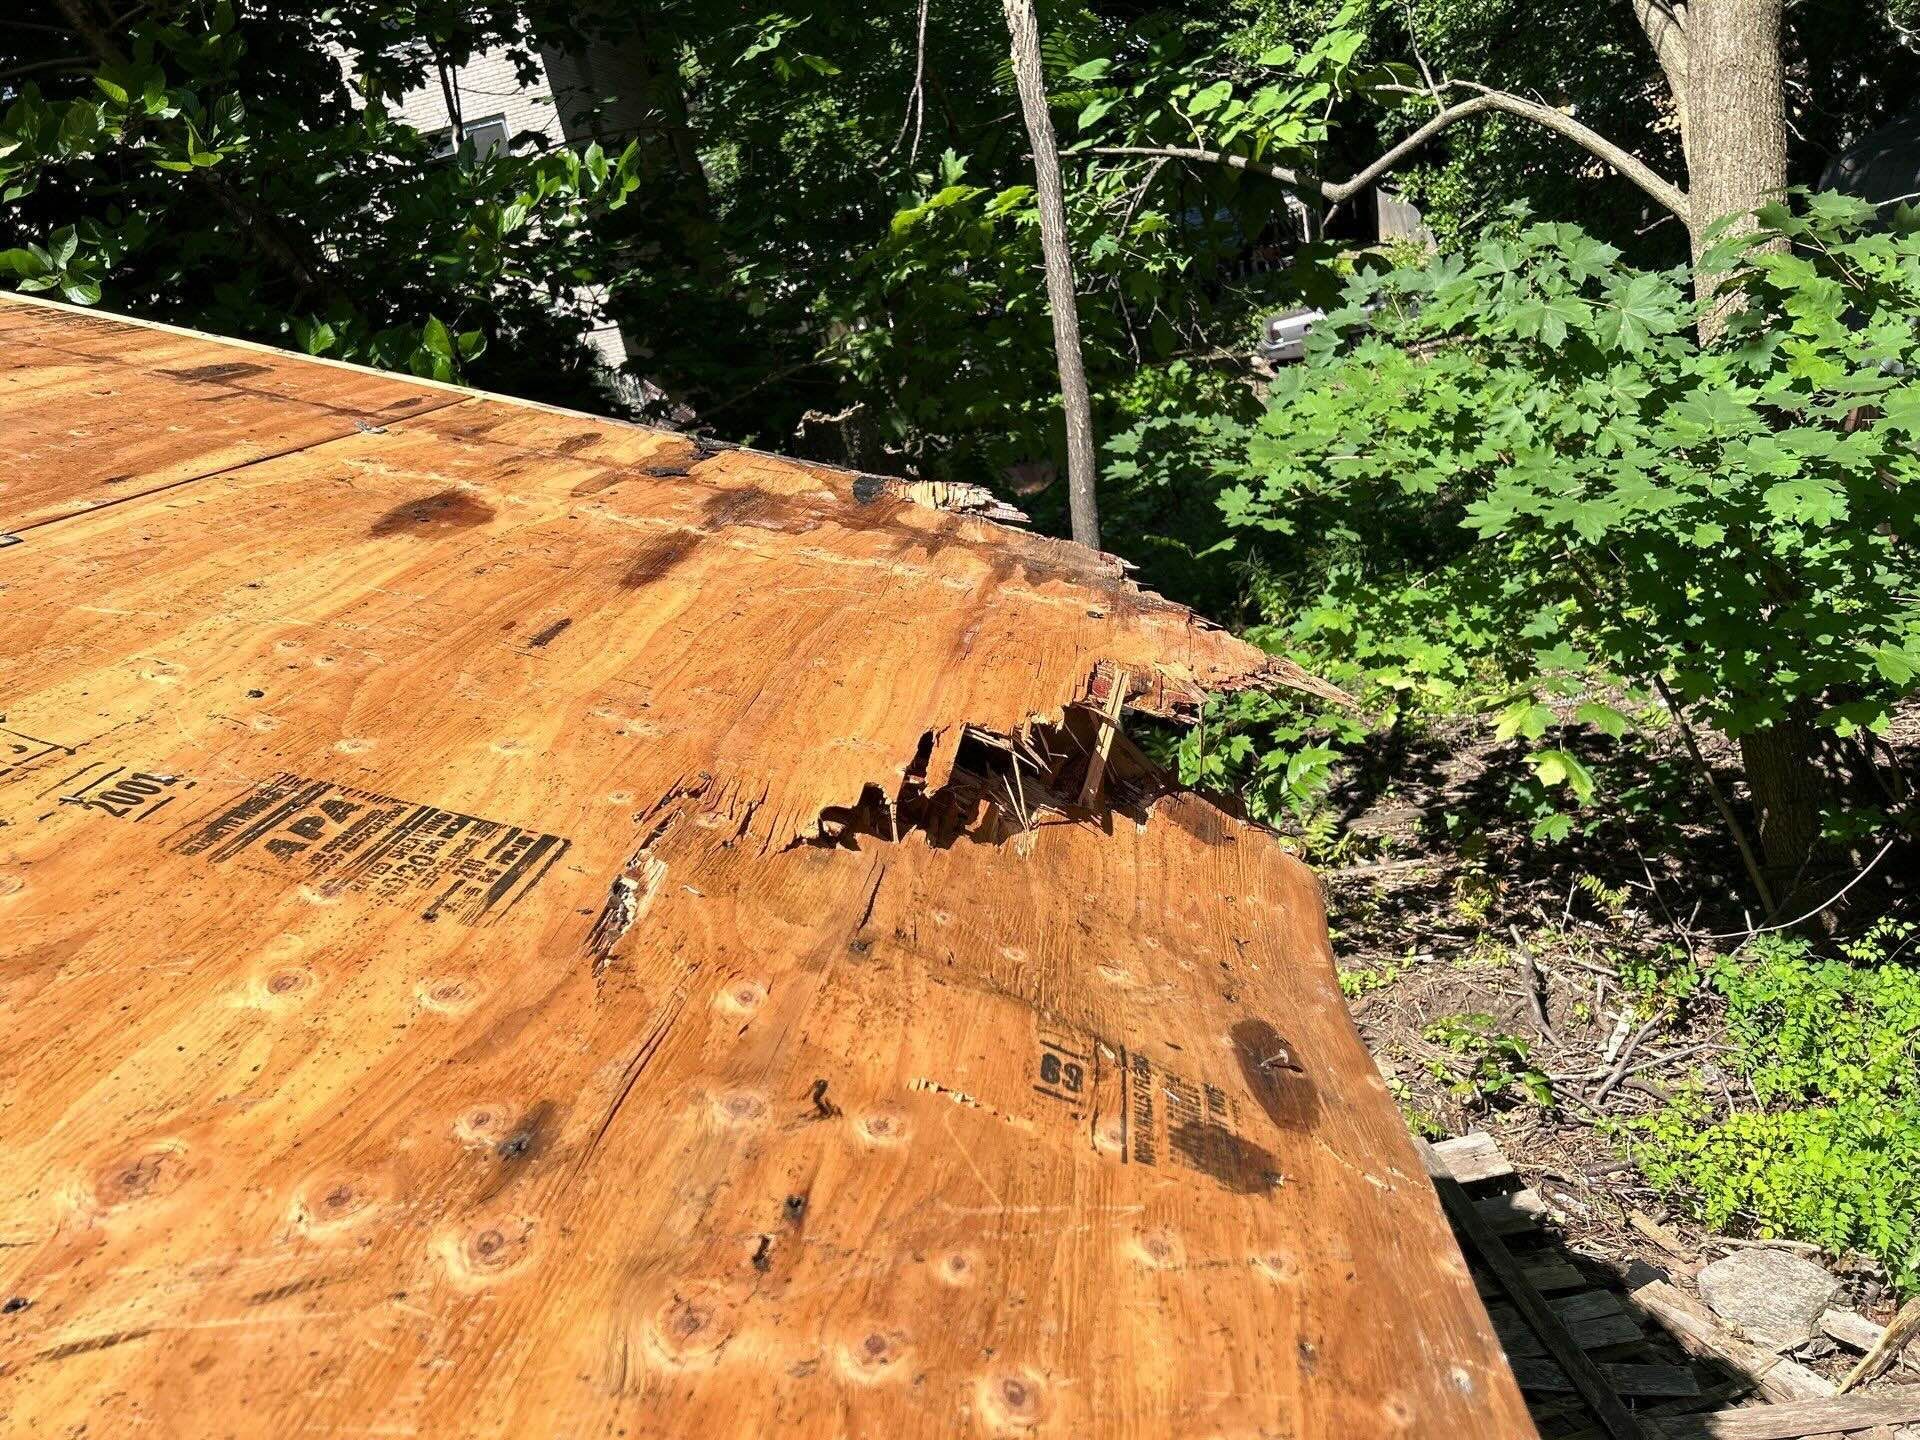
[{"x": 356, "y": 842}]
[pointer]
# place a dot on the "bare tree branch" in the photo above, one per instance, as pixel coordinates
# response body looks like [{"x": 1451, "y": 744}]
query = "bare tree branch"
[
  {"x": 917, "y": 97},
  {"x": 449, "y": 92},
  {"x": 86, "y": 24},
  {"x": 1666, "y": 30},
  {"x": 1661, "y": 190},
  {"x": 1215, "y": 157},
  {"x": 68, "y": 62},
  {"x": 1140, "y": 195},
  {"x": 1668, "y": 195}
]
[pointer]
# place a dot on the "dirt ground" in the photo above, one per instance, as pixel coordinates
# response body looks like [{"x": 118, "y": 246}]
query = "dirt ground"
[{"x": 1441, "y": 908}]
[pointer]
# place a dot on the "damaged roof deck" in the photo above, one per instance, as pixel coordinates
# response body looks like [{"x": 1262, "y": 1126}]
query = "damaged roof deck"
[{"x": 515, "y": 923}]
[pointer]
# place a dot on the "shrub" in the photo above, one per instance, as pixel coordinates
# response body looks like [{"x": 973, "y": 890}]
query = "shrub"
[
  {"x": 1519, "y": 474},
  {"x": 1825, "y": 1144}
]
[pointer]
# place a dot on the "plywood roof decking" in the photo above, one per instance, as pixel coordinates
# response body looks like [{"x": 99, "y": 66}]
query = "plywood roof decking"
[{"x": 426, "y": 1015}]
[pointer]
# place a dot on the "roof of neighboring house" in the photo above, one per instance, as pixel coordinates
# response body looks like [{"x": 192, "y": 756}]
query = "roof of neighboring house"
[{"x": 514, "y": 923}]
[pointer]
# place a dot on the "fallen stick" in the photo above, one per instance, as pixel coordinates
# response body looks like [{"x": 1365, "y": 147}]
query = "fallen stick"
[
  {"x": 1856, "y": 1332},
  {"x": 1887, "y": 1348},
  {"x": 1613, "y": 1415},
  {"x": 1621, "y": 1062},
  {"x": 1530, "y": 980},
  {"x": 1380, "y": 867},
  {"x": 1659, "y": 1235}
]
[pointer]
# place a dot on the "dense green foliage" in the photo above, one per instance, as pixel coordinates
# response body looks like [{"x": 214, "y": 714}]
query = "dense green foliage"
[
  {"x": 1824, "y": 1144},
  {"x": 245, "y": 178},
  {"x": 1847, "y": 66},
  {"x": 1522, "y": 479}
]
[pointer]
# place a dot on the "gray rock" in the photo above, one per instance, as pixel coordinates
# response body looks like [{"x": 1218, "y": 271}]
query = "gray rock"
[{"x": 1775, "y": 1296}]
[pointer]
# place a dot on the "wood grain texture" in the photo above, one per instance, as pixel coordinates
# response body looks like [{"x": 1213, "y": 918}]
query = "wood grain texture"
[{"x": 441, "y": 1001}]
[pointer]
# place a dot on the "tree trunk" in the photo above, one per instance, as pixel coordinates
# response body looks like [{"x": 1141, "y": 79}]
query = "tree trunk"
[
  {"x": 1735, "y": 136},
  {"x": 1790, "y": 788},
  {"x": 1735, "y": 113},
  {"x": 1025, "y": 38}
]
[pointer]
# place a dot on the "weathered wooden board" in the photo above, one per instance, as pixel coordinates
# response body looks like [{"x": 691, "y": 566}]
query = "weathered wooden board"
[
  {"x": 436, "y": 1003},
  {"x": 1472, "y": 1158},
  {"x": 1840, "y": 1414}
]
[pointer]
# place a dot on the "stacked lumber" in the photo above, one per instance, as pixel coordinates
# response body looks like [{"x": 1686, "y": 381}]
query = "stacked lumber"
[
  {"x": 1640, "y": 1357},
  {"x": 514, "y": 924}
]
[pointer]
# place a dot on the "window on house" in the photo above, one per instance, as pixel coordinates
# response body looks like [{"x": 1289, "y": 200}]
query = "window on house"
[{"x": 486, "y": 136}]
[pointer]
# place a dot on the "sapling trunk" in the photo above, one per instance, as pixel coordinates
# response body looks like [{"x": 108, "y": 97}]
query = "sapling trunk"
[{"x": 1024, "y": 35}]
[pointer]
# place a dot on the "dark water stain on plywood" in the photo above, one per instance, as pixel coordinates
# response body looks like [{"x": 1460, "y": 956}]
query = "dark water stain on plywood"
[
  {"x": 452, "y": 509},
  {"x": 1275, "y": 1075},
  {"x": 218, "y": 374},
  {"x": 658, "y": 559},
  {"x": 550, "y": 634},
  {"x": 595, "y": 484}
]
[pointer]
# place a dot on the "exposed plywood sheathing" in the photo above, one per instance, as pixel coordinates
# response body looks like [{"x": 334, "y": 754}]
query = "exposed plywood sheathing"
[{"x": 507, "y": 927}]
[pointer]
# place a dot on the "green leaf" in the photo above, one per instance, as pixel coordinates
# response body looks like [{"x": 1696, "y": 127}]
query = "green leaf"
[
  {"x": 80, "y": 126},
  {"x": 315, "y": 338},
  {"x": 1561, "y": 656},
  {"x": 437, "y": 338},
  {"x": 1211, "y": 98},
  {"x": 1552, "y": 829},
  {"x": 1898, "y": 665},
  {"x": 1604, "y": 718},
  {"x": 1090, "y": 116},
  {"x": 1526, "y": 718},
  {"x": 1814, "y": 501},
  {"x": 1559, "y": 767},
  {"x": 23, "y": 262}
]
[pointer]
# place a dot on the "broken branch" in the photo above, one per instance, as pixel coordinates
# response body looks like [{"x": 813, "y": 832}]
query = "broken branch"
[{"x": 1887, "y": 1348}]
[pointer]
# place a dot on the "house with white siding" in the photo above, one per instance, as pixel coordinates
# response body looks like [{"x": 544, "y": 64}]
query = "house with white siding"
[{"x": 575, "y": 99}]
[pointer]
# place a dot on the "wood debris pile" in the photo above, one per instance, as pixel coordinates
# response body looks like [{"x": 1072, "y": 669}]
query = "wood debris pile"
[{"x": 1641, "y": 1357}]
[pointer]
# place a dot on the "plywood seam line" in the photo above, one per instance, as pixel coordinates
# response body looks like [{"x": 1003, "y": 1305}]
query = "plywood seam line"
[
  {"x": 955, "y": 497},
  {"x": 219, "y": 472},
  {"x": 239, "y": 387}
]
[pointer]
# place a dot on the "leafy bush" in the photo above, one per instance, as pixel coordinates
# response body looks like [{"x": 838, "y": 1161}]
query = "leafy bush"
[
  {"x": 1825, "y": 1144},
  {"x": 1519, "y": 476},
  {"x": 236, "y": 168}
]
